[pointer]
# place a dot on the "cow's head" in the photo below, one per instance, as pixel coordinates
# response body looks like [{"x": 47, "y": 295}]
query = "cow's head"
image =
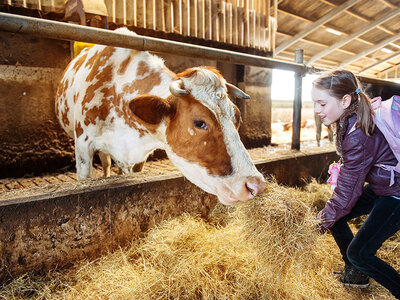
[{"x": 201, "y": 134}]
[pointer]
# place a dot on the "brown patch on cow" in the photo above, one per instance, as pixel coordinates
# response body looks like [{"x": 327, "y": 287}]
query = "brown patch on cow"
[
  {"x": 187, "y": 73},
  {"x": 102, "y": 111},
  {"x": 142, "y": 69},
  {"x": 102, "y": 78},
  {"x": 78, "y": 62},
  {"x": 86, "y": 138},
  {"x": 150, "y": 109},
  {"x": 206, "y": 147},
  {"x": 145, "y": 85},
  {"x": 97, "y": 61},
  {"x": 64, "y": 116},
  {"x": 124, "y": 65},
  {"x": 78, "y": 129}
]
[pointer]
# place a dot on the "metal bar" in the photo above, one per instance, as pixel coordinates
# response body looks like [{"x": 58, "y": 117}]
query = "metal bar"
[
  {"x": 298, "y": 82},
  {"x": 65, "y": 31}
]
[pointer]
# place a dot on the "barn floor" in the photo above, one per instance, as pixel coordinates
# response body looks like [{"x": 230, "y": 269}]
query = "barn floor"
[{"x": 151, "y": 168}]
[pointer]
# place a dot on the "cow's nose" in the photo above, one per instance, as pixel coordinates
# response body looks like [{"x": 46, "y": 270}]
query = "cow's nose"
[{"x": 255, "y": 185}]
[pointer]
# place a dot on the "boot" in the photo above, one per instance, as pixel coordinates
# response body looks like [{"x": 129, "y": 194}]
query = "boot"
[{"x": 351, "y": 277}]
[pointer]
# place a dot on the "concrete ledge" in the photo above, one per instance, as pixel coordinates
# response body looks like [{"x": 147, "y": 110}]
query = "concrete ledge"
[{"x": 57, "y": 225}]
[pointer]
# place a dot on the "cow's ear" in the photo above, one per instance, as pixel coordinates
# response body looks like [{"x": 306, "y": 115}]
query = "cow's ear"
[{"x": 150, "y": 108}]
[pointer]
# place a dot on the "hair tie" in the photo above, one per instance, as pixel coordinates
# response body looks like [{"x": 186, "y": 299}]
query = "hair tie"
[{"x": 358, "y": 90}]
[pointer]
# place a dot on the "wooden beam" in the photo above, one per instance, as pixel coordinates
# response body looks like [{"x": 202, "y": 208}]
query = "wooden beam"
[
  {"x": 388, "y": 70},
  {"x": 354, "y": 35},
  {"x": 325, "y": 25},
  {"x": 381, "y": 61},
  {"x": 357, "y": 15},
  {"x": 320, "y": 44},
  {"x": 370, "y": 50},
  {"x": 329, "y": 16}
]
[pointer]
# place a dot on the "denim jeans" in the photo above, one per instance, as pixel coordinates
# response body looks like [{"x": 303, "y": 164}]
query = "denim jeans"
[{"x": 359, "y": 250}]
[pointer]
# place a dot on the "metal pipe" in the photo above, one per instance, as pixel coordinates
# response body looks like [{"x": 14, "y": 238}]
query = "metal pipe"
[{"x": 65, "y": 31}]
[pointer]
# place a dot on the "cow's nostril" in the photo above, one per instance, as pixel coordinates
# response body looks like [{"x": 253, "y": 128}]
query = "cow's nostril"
[
  {"x": 251, "y": 189},
  {"x": 254, "y": 185}
]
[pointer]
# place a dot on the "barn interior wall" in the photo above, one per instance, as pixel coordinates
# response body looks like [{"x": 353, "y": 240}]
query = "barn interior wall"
[{"x": 32, "y": 141}]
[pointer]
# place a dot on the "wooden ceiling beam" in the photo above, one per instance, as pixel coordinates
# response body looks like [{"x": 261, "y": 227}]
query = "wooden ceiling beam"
[
  {"x": 325, "y": 25},
  {"x": 329, "y": 16},
  {"x": 388, "y": 70},
  {"x": 393, "y": 56},
  {"x": 354, "y": 35},
  {"x": 370, "y": 50},
  {"x": 321, "y": 45},
  {"x": 363, "y": 18}
]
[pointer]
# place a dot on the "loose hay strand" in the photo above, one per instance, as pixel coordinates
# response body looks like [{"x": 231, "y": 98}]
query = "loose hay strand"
[{"x": 264, "y": 249}]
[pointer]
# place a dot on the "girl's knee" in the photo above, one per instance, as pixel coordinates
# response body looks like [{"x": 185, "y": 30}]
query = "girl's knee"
[{"x": 359, "y": 256}]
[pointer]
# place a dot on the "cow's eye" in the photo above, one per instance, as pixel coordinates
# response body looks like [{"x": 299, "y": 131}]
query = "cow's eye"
[{"x": 200, "y": 124}]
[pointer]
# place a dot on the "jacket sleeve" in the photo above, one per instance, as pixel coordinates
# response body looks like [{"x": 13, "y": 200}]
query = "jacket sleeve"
[{"x": 357, "y": 162}]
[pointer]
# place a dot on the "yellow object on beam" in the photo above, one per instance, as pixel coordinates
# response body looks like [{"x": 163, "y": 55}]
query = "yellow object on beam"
[{"x": 79, "y": 46}]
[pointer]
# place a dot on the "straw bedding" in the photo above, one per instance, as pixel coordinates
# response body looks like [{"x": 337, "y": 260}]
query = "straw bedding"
[{"x": 265, "y": 249}]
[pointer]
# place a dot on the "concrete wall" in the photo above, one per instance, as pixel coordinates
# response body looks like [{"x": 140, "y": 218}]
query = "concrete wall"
[
  {"x": 31, "y": 139},
  {"x": 56, "y": 225}
]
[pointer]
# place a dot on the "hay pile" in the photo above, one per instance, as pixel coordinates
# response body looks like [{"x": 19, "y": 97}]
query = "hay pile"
[{"x": 265, "y": 249}]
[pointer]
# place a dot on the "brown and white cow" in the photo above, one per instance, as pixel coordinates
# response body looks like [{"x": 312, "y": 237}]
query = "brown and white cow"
[{"x": 125, "y": 104}]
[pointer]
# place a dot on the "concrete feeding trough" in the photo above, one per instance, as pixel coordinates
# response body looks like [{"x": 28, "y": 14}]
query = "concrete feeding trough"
[{"x": 55, "y": 225}]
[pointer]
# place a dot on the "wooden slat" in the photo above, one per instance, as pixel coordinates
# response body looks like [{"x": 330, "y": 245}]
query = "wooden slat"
[
  {"x": 229, "y": 16},
  {"x": 167, "y": 15},
  {"x": 235, "y": 32},
  {"x": 185, "y": 17}
]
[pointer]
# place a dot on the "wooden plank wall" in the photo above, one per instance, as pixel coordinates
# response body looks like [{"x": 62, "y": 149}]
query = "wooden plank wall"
[{"x": 248, "y": 23}]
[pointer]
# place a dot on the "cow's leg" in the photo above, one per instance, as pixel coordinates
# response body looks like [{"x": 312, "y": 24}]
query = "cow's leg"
[
  {"x": 318, "y": 128},
  {"x": 105, "y": 163},
  {"x": 330, "y": 133},
  {"x": 138, "y": 167},
  {"x": 84, "y": 159}
]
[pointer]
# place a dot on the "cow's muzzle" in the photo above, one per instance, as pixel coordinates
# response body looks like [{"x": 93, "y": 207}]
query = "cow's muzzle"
[{"x": 251, "y": 186}]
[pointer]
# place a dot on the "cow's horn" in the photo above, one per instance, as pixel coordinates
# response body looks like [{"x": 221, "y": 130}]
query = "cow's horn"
[
  {"x": 176, "y": 88},
  {"x": 236, "y": 91}
]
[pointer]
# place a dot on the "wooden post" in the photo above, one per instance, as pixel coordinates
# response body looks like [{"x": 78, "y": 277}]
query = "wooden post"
[{"x": 298, "y": 81}]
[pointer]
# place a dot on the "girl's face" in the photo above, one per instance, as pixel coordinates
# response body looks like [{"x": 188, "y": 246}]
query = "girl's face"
[{"x": 327, "y": 107}]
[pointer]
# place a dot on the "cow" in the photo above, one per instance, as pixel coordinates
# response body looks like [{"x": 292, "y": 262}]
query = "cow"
[
  {"x": 125, "y": 103},
  {"x": 318, "y": 129}
]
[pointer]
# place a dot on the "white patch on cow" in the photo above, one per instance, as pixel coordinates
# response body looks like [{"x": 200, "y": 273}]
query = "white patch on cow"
[
  {"x": 205, "y": 143},
  {"x": 190, "y": 130}
]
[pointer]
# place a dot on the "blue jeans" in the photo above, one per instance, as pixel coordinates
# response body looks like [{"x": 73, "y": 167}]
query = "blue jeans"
[{"x": 359, "y": 250}]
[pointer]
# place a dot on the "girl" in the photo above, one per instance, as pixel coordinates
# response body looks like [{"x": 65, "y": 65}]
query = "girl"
[{"x": 338, "y": 99}]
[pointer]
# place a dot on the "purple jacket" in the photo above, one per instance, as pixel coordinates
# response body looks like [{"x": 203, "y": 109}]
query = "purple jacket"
[{"x": 360, "y": 154}]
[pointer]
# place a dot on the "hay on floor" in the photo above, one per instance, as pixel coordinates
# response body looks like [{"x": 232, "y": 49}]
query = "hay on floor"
[{"x": 264, "y": 249}]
